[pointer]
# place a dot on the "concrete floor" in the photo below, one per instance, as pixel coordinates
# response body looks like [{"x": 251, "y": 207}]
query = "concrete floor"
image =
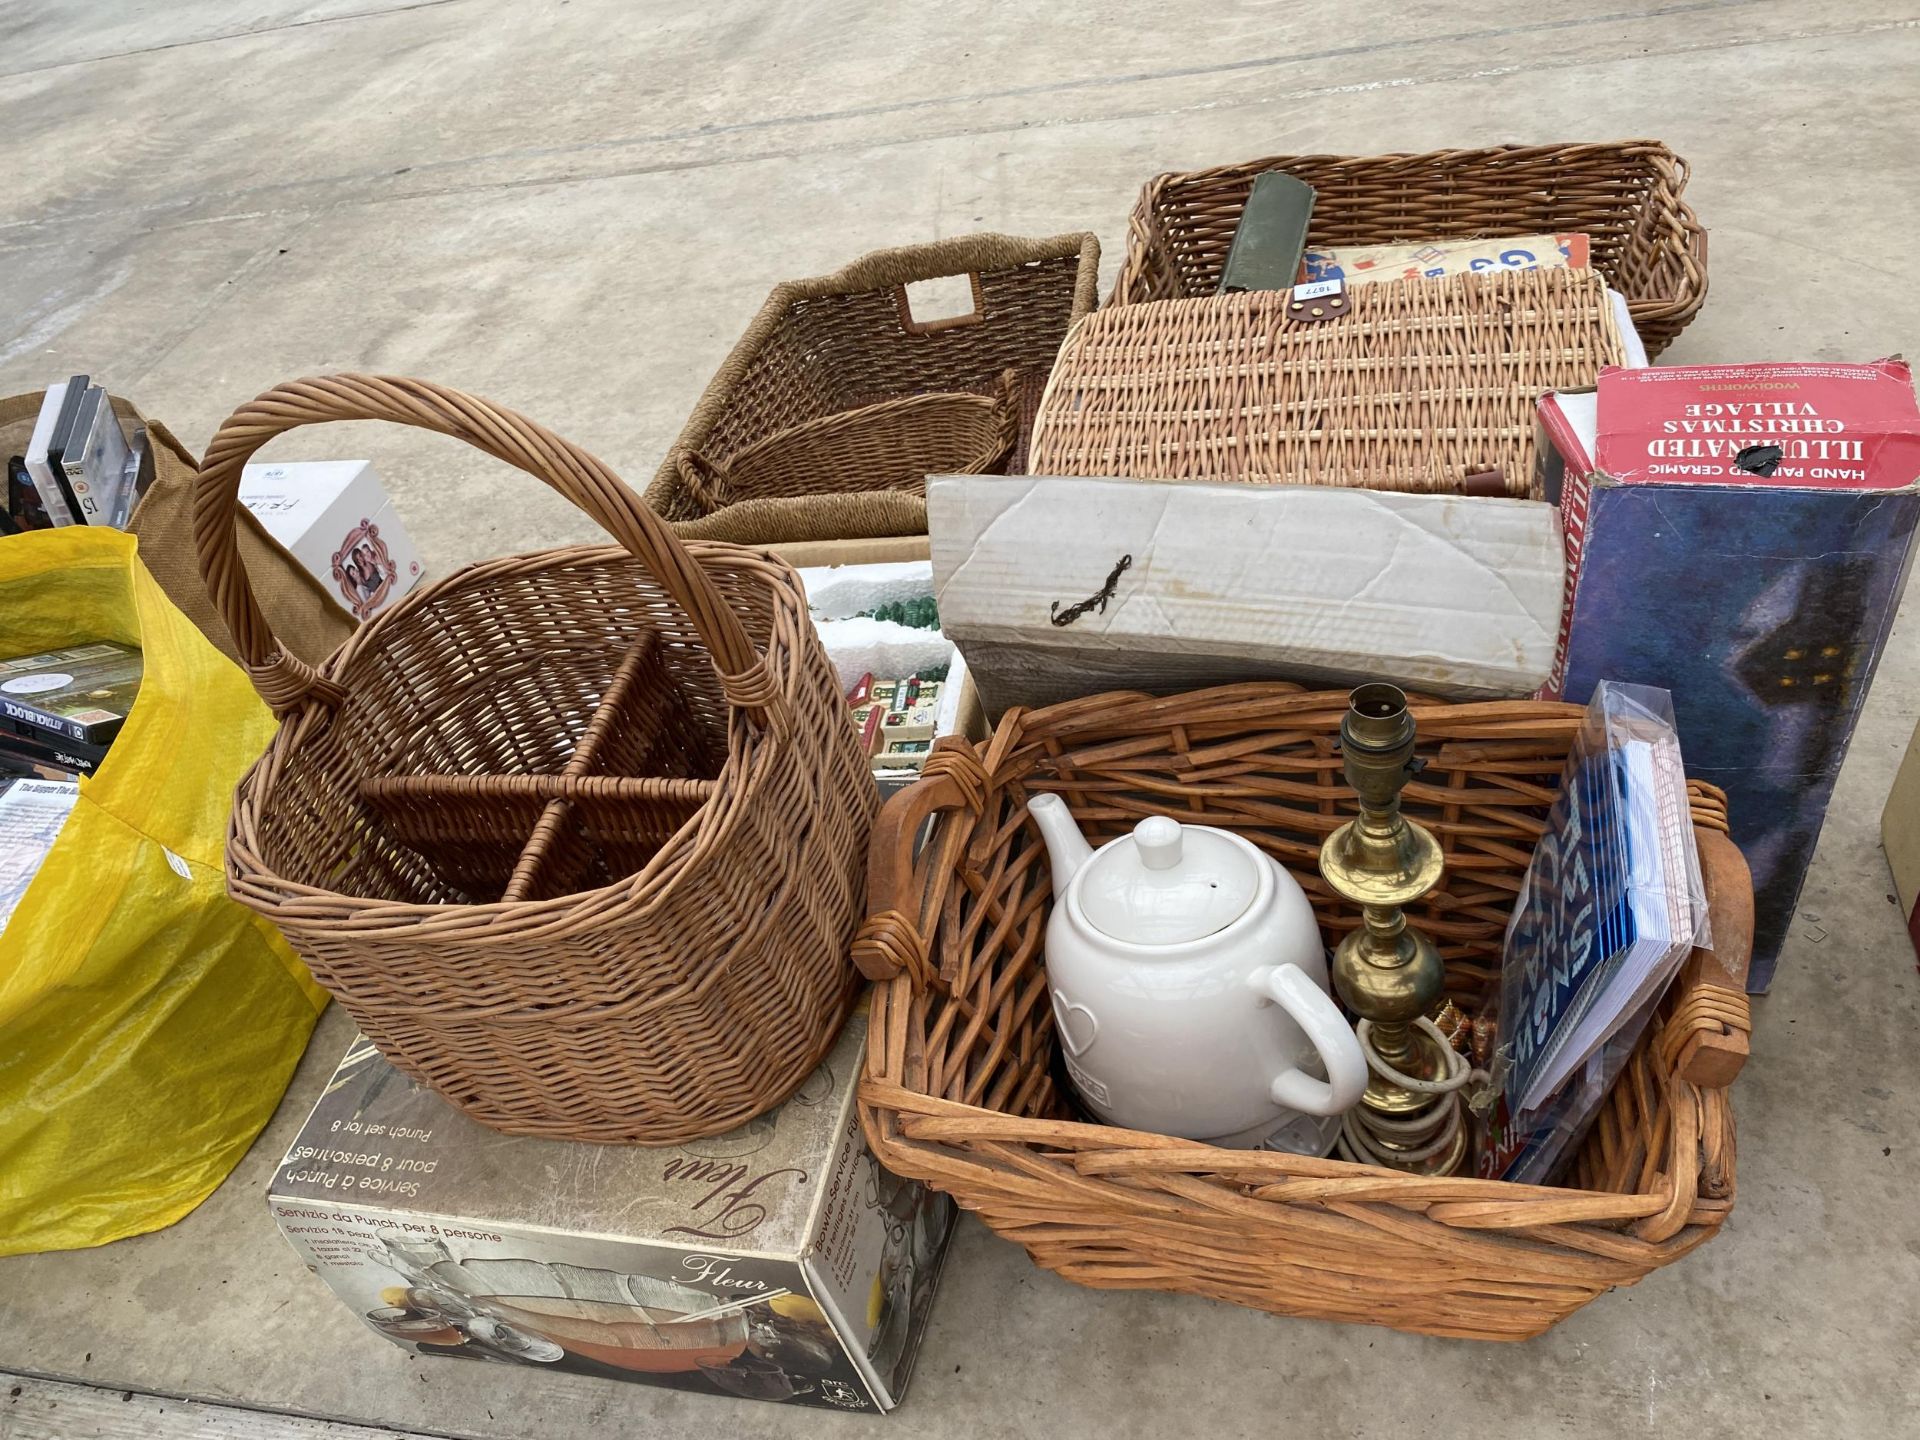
[{"x": 573, "y": 207}]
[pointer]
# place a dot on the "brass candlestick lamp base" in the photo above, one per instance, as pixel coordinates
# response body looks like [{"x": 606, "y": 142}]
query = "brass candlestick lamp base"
[{"x": 1388, "y": 974}]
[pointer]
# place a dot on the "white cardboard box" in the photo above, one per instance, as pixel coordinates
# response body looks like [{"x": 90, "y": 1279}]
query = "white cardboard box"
[
  {"x": 336, "y": 519},
  {"x": 837, "y": 591},
  {"x": 816, "y": 1268},
  {"x": 1453, "y": 595}
]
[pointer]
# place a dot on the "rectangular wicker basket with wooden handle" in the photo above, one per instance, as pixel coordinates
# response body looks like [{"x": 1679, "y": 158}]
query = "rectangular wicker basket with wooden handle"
[{"x": 961, "y": 1091}]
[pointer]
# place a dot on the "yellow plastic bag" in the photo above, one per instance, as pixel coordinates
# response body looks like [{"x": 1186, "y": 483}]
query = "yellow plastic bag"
[{"x": 148, "y": 1024}]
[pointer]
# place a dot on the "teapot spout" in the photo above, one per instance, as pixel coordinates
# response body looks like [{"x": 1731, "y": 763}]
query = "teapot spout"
[{"x": 1067, "y": 848}]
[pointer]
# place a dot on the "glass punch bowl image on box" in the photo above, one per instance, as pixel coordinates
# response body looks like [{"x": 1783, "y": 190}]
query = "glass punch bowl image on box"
[{"x": 630, "y": 1322}]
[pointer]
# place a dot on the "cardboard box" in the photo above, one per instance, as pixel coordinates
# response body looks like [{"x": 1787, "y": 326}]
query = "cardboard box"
[
  {"x": 336, "y": 519},
  {"x": 1740, "y": 534},
  {"x": 1174, "y": 586},
  {"x": 1413, "y": 259},
  {"x": 878, "y": 575},
  {"x": 450, "y": 1239},
  {"x": 1900, "y": 835}
]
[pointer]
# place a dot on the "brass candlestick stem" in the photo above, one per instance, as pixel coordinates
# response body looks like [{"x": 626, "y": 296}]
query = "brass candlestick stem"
[{"x": 1388, "y": 973}]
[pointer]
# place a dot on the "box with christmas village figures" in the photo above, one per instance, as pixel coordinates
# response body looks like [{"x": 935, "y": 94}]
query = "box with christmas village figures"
[{"x": 1740, "y": 535}]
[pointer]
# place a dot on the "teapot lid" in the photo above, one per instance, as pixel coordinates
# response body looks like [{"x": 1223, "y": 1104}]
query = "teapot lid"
[{"x": 1168, "y": 883}]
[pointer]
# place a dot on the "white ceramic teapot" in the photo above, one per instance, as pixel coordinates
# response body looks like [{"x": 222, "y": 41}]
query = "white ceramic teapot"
[{"x": 1190, "y": 987}]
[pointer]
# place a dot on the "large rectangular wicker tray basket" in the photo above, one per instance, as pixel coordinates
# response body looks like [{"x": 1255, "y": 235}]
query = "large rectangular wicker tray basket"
[
  {"x": 961, "y": 1091},
  {"x": 1626, "y": 196}
]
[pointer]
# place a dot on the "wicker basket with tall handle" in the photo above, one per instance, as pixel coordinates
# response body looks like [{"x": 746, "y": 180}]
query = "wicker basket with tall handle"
[
  {"x": 961, "y": 1088},
  {"x": 577, "y": 837}
]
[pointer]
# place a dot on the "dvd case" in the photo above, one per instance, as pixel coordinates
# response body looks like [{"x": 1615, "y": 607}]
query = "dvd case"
[
  {"x": 52, "y": 498},
  {"x": 61, "y": 439},
  {"x": 81, "y": 465},
  {"x": 85, "y": 485},
  {"x": 81, "y": 693},
  {"x": 46, "y": 756}
]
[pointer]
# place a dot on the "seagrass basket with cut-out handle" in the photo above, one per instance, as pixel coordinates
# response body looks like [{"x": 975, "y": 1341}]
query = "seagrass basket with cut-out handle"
[
  {"x": 960, "y": 1089},
  {"x": 840, "y": 398},
  {"x": 577, "y": 837}
]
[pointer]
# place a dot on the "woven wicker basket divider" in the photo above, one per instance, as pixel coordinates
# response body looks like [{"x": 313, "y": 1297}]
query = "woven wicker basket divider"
[
  {"x": 893, "y": 445},
  {"x": 577, "y": 837},
  {"x": 822, "y": 347},
  {"x": 1626, "y": 196},
  {"x": 1423, "y": 384},
  {"x": 961, "y": 1089}
]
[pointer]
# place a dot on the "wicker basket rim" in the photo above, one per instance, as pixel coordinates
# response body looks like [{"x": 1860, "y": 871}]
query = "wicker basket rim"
[
  {"x": 1642, "y": 148},
  {"x": 1263, "y": 302},
  {"x": 983, "y": 252},
  {"x": 873, "y": 1089}
]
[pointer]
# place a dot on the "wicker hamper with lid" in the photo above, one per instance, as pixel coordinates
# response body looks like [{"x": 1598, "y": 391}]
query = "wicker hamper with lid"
[
  {"x": 1416, "y": 385},
  {"x": 824, "y": 421},
  {"x": 961, "y": 1092},
  {"x": 577, "y": 837},
  {"x": 1626, "y": 196}
]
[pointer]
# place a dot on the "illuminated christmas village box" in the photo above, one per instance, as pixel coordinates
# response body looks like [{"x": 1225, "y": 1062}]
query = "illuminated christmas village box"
[{"x": 1740, "y": 535}]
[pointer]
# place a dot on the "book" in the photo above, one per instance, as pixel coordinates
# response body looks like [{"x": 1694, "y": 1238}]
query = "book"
[
  {"x": 1529, "y": 1150},
  {"x": 1432, "y": 259},
  {"x": 1611, "y": 905},
  {"x": 31, "y": 814}
]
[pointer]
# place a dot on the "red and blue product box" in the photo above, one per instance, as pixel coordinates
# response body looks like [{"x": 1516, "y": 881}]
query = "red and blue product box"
[{"x": 1739, "y": 535}]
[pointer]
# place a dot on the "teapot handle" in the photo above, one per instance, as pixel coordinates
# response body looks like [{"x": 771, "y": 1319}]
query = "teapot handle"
[{"x": 1328, "y": 1032}]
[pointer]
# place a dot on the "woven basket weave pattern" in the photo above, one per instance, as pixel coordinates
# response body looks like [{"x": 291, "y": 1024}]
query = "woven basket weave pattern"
[
  {"x": 829, "y": 345},
  {"x": 1424, "y": 383},
  {"x": 838, "y": 352},
  {"x": 1625, "y": 196},
  {"x": 892, "y": 445},
  {"x": 960, "y": 1088},
  {"x": 576, "y": 837}
]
